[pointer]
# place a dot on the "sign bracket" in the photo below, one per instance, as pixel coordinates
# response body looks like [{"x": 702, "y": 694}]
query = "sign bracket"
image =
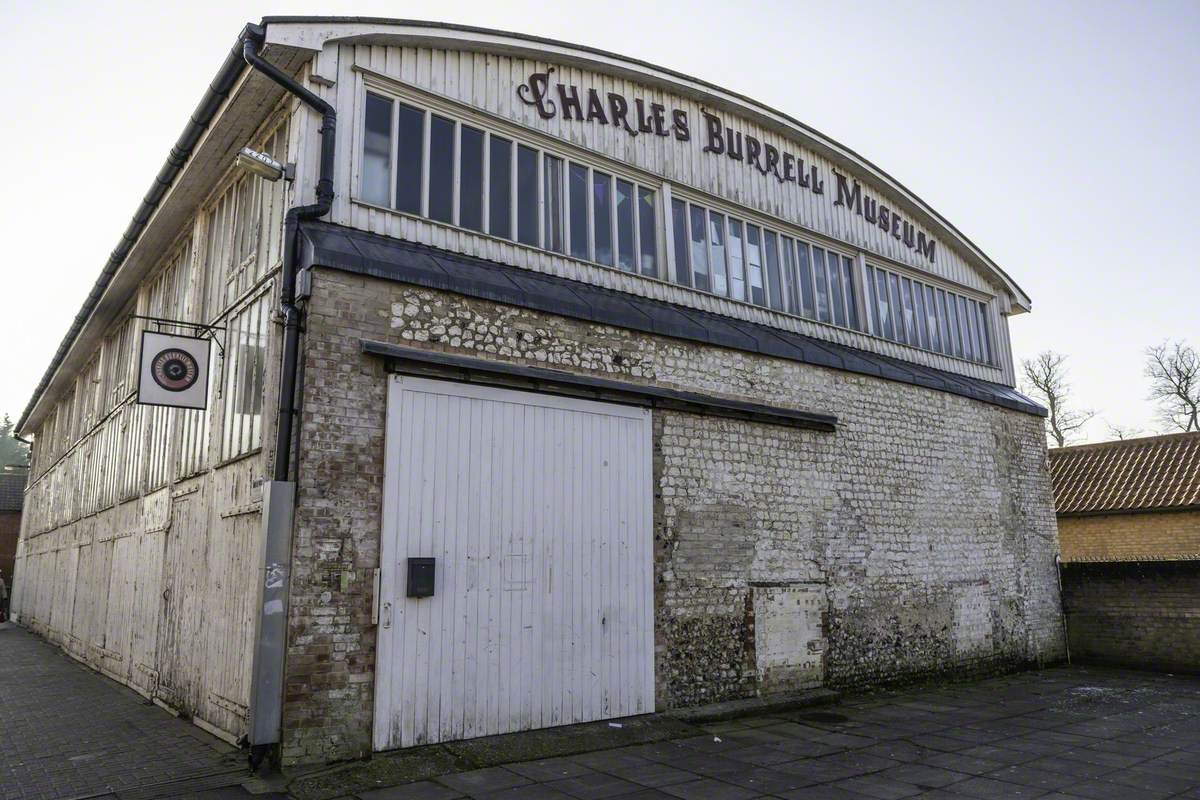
[{"x": 198, "y": 328}]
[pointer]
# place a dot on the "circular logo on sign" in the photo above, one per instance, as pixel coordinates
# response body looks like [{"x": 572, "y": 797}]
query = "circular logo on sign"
[{"x": 174, "y": 370}]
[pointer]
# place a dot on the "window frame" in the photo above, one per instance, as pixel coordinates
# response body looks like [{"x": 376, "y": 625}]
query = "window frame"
[
  {"x": 519, "y": 138},
  {"x": 858, "y": 296},
  {"x": 966, "y": 337}
]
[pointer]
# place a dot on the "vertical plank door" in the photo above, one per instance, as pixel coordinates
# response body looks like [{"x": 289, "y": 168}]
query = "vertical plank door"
[{"x": 538, "y": 511}]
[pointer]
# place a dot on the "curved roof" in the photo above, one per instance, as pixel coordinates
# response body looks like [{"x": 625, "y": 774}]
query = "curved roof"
[
  {"x": 314, "y": 32},
  {"x": 303, "y": 34}
]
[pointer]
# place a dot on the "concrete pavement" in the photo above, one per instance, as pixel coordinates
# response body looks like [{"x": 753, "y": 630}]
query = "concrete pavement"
[{"x": 1070, "y": 732}]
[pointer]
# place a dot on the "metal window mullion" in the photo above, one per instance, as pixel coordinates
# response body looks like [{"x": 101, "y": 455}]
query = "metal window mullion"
[
  {"x": 667, "y": 245},
  {"x": 540, "y": 155},
  {"x": 427, "y": 126},
  {"x": 486, "y": 182},
  {"x": 456, "y": 175},
  {"x": 637, "y": 228},
  {"x": 591, "y": 215},
  {"x": 565, "y": 210},
  {"x": 394, "y": 167},
  {"x": 514, "y": 231},
  {"x": 614, "y": 234}
]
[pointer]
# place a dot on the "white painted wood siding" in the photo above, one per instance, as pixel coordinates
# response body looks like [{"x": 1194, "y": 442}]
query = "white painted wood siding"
[
  {"x": 141, "y": 527},
  {"x": 538, "y": 510},
  {"x": 483, "y": 86}
]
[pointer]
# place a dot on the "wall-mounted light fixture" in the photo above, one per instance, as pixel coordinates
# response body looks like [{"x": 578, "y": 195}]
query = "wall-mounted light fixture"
[{"x": 262, "y": 165}]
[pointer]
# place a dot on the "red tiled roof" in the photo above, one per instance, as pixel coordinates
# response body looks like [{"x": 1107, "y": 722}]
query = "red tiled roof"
[{"x": 1157, "y": 472}]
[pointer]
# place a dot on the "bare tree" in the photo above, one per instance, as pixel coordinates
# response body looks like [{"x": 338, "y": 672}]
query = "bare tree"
[
  {"x": 1045, "y": 377},
  {"x": 1174, "y": 372},
  {"x": 1123, "y": 431}
]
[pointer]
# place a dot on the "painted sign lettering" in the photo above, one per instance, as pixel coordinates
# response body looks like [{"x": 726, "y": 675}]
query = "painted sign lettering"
[{"x": 639, "y": 117}]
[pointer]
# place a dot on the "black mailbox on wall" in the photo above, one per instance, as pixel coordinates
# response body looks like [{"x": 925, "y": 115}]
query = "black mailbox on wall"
[{"x": 420, "y": 577}]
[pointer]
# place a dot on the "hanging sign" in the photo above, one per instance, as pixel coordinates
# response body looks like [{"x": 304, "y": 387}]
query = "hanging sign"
[{"x": 173, "y": 371}]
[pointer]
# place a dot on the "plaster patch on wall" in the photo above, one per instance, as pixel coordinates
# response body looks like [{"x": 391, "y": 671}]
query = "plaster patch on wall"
[
  {"x": 973, "y": 620},
  {"x": 789, "y": 636}
]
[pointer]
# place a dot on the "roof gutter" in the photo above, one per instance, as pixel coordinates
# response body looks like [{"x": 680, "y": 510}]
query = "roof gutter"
[{"x": 181, "y": 152}]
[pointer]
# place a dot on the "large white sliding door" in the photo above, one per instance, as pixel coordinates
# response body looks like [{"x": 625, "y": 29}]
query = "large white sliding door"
[{"x": 538, "y": 511}]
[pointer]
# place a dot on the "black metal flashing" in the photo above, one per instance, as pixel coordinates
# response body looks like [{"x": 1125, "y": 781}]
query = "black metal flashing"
[
  {"x": 467, "y": 369},
  {"x": 351, "y": 250}
]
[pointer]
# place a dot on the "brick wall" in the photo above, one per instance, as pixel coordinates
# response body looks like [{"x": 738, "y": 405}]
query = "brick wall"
[
  {"x": 926, "y": 520},
  {"x": 1166, "y": 534},
  {"x": 1134, "y": 614}
]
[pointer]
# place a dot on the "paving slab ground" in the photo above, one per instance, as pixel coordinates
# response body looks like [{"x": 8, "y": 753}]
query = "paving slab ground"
[
  {"x": 68, "y": 732},
  {"x": 1070, "y": 732}
]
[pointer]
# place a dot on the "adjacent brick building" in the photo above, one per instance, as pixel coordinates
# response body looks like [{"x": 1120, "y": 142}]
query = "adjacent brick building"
[
  {"x": 1129, "y": 529},
  {"x": 615, "y": 391},
  {"x": 12, "y": 498}
]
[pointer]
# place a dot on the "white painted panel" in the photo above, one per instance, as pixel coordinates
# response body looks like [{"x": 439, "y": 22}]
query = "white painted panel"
[
  {"x": 484, "y": 94},
  {"x": 539, "y": 512}
]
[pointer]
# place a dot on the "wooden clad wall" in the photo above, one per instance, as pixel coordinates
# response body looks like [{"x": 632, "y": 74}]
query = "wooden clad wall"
[
  {"x": 140, "y": 538},
  {"x": 484, "y": 86}
]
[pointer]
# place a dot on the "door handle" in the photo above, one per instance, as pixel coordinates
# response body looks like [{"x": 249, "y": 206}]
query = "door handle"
[{"x": 387, "y": 615}]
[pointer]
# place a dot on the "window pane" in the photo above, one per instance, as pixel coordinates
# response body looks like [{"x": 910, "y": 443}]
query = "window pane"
[
  {"x": 836, "y": 298},
  {"x": 625, "y": 245},
  {"x": 806, "y": 279},
  {"x": 527, "y": 195},
  {"x": 919, "y": 314},
  {"x": 792, "y": 293},
  {"x": 553, "y": 190},
  {"x": 716, "y": 240},
  {"x": 754, "y": 265},
  {"x": 883, "y": 302},
  {"x": 910, "y": 316},
  {"x": 935, "y": 340},
  {"x": 952, "y": 322},
  {"x": 737, "y": 269},
  {"x": 470, "y": 179},
  {"x": 775, "y": 291},
  {"x": 500, "y": 188},
  {"x": 898, "y": 322},
  {"x": 683, "y": 270},
  {"x": 872, "y": 300},
  {"x": 984, "y": 334},
  {"x": 944, "y": 329},
  {"x": 602, "y": 216},
  {"x": 377, "y": 151},
  {"x": 848, "y": 287},
  {"x": 699, "y": 256},
  {"x": 819, "y": 274},
  {"x": 441, "y": 169},
  {"x": 647, "y": 232},
  {"x": 968, "y": 326},
  {"x": 410, "y": 145},
  {"x": 578, "y": 192}
]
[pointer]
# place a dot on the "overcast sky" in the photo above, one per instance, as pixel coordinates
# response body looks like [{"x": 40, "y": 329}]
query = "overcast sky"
[{"x": 1061, "y": 137}]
